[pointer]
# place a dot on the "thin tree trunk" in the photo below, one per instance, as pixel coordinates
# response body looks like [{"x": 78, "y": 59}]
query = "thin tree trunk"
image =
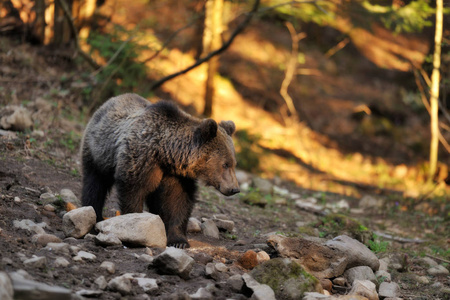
[{"x": 434, "y": 93}]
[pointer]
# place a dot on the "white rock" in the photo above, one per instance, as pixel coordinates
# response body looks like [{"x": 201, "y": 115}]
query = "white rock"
[
  {"x": 42, "y": 239},
  {"x": 202, "y": 294},
  {"x": 221, "y": 267},
  {"x": 210, "y": 229},
  {"x": 438, "y": 270},
  {"x": 49, "y": 207},
  {"x": 194, "y": 225},
  {"x": 225, "y": 225},
  {"x": 389, "y": 289},
  {"x": 61, "y": 262},
  {"x": 28, "y": 289},
  {"x": 101, "y": 282},
  {"x": 47, "y": 198},
  {"x": 6, "y": 287},
  {"x": 384, "y": 264},
  {"x": 16, "y": 118},
  {"x": 30, "y": 225},
  {"x": 280, "y": 191},
  {"x": 39, "y": 262},
  {"x": 260, "y": 291},
  {"x": 109, "y": 266},
  {"x": 83, "y": 255},
  {"x": 308, "y": 206},
  {"x": 364, "y": 288},
  {"x": 235, "y": 282},
  {"x": 174, "y": 261},
  {"x": 78, "y": 222},
  {"x": 121, "y": 284},
  {"x": 315, "y": 296},
  {"x": 146, "y": 258},
  {"x": 422, "y": 279},
  {"x": 89, "y": 293},
  {"x": 17, "y": 200},
  {"x": 357, "y": 253},
  {"x": 138, "y": 229},
  {"x": 147, "y": 284},
  {"x": 263, "y": 185},
  {"x": 262, "y": 256}
]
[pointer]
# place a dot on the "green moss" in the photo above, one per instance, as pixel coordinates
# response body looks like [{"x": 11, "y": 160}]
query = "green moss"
[
  {"x": 254, "y": 198},
  {"x": 338, "y": 224},
  {"x": 286, "y": 277}
]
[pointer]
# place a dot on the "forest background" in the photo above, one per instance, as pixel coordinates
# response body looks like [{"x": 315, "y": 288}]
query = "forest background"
[{"x": 334, "y": 96}]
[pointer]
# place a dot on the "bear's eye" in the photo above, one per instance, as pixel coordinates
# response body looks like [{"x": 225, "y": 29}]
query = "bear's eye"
[{"x": 225, "y": 166}]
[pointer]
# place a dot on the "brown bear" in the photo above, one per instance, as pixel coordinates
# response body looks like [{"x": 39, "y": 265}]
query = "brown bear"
[{"x": 155, "y": 153}]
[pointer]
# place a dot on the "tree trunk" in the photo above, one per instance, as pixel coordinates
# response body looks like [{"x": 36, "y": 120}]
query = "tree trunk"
[
  {"x": 212, "y": 41},
  {"x": 61, "y": 31},
  {"x": 38, "y": 29},
  {"x": 434, "y": 93}
]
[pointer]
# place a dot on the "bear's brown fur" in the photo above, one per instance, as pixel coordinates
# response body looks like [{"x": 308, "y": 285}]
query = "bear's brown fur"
[{"x": 155, "y": 153}]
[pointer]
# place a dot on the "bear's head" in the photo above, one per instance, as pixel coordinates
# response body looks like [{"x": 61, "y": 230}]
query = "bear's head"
[{"x": 217, "y": 163}]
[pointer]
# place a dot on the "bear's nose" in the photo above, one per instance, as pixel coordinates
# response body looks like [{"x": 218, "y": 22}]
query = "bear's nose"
[{"x": 235, "y": 191}]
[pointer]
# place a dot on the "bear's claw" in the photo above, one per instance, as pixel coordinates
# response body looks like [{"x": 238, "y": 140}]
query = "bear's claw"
[{"x": 179, "y": 245}]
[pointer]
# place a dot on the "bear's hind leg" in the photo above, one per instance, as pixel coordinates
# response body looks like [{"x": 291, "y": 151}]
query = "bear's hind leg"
[
  {"x": 173, "y": 201},
  {"x": 95, "y": 188}
]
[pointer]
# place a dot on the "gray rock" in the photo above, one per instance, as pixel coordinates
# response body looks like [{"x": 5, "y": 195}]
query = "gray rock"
[
  {"x": 174, "y": 261},
  {"x": 202, "y": 294},
  {"x": 69, "y": 197},
  {"x": 383, "y": 276},
  {"x": 428, "y": 261},
  {"x": 315, "y": 296},
  {"x": 243, "y": 177},
  {"x": 235, "y": 282},
  {"x": 121, "y": 284},
  {"x": 280, "y": 191},
  {"x": 101, "y": 282},
  {"x": 109, "y": 266},
  {"x": 25, "y": 289},
  {"x": 360, "y": 273},
  {"x": 260, "y": 291},
  {"x": 422, "y": 279},
  {"x": 30, "y": 226},
  {"x": 364, "y": 288},
  {"x": 194, "y": 225},
  {"x": 389, "y": 289},
  {"x": 147, "y": 284},
  {"x": 309, "y": 206},
  {"x": 384, "y": 264},
  {"x": 224, "y": 225},
  {"x": 60, "y": 248},
  {"x": 211, "y": 272},
  {"x": 143, "y": 229},
  {"x": 107, "y": 240},
  {"x": 286, "y": 278},
  {"x": 49, "y": 207},
  {"x": 78, "y": 222},
  {"x": 47, "y": 198},
  {"x": 369, "y": 202},
  {"x": 146, "y": 258},
  {"x": 6, "y": 287},
  {"x": 263, "y": 185},
  {"x": 15, "y": 118},
  {"x": 83, "y": 255},
  {"x": 341, "y": 281},
  {"x": 221, "y": 267},
  {"x": 39, "y": 262},
  {"x": 357, "y": 253},
  {"x": 61, "y": 262},
  {"x": 42, "y": 239},
  {"x": 438, "y": 270},
  {"x": 210, "y": 229}
]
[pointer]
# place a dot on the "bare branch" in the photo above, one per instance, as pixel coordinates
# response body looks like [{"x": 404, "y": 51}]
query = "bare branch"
[{"x": 225, "y": 45}]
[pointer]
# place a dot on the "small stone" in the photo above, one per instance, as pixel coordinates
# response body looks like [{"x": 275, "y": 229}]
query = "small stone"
[
  {"x": 109, "y": 266},
  {"x": 107, "y": 240},
  {"x": 326, "y": 284},
  {"x": 89, "y": 293},
  {"x": 224, "y": 225},
  {"x": 49, "y": 207},
  {"x": 438, "y": 270},
  {"x": 211, "y": 272},
  {"x": 341, "y": 281},
  {"x": 243, "y": 177},
  {"x": 422, "y": 279},
  {"x": 249, "y": 260},
  {"x": 369, "y": 202},
  {"x": 280, "y": 191},
  {"x": 7, "y": 261},
  {"x": 69, "y": 197},
  {"x": 121, "y": 284},
  {"x": 260, "y": 291},
  {"x": 30, "y": 226},
  {"x": 83, "y": 255},
  {"x": 396, "y": 266},
  {"x": 147, "y": 284},
  {"x": 389, "y": 289},
  {"x": 383, "y": 276},
  {"x": 47, "y": 198},
  {"x": 364, "y": 288},
  {"x": 264, "y": 186},
  {"x": 428, "y": 261},
  {"x": 235, "y": 282},
  {"x": 221, "y": 267},
  {"x": 202, "y": 294},
  {"x": 202, "y": 258},
  {"x": 281, "y": 201},
  {"x": 78, "y": 222},
  {"x": 194, "y": 225},
  {"x": 262, "y": 256},
  {"x": 384, "y": 263},
  {"x": 210, "y": 229},
  {"x": 17, "y": 200},
  {"x": 36, "y": 262},
  {"x": 146, "y": 258},
  {"x": 61, "y": 248},
  {"x": 61, "y": 262},
  {"x": 174, "y": 261},
  {"x": 360, "y": 273},
  {"x": 101, "y": 282},
  {"x": 42, "y": 239}
]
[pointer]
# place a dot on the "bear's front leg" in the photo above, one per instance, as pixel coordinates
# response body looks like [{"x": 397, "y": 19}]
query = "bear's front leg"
[{"x": 173, "y": 201}]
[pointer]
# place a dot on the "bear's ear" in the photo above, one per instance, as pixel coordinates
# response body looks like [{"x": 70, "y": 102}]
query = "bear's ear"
[
  {"x": 229, "y": 127},
  {"x": 206, "y": 131}
]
